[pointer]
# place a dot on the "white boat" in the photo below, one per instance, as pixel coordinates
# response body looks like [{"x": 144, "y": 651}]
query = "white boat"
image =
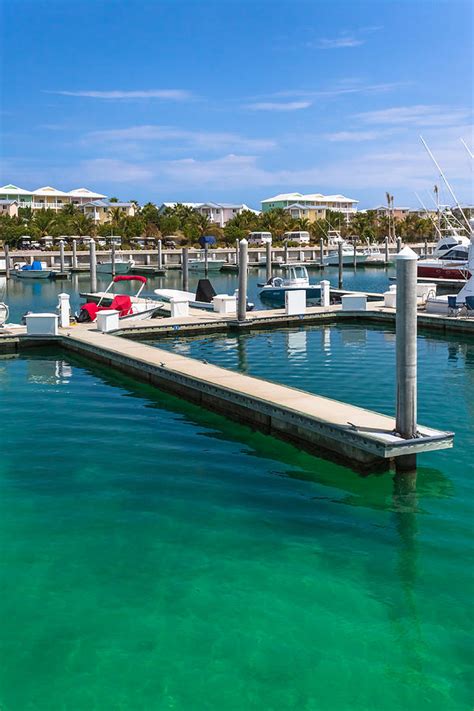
[
  {"x": 445, "y": 304},
  {"x": 453, "y": 239},
  {"x": 369, "y": 255},
  {"x": 296, "y": 277},
  {"x": 130, "y": 308},
  {"x": 199, "y": 263},
  {"x": 36, "y": 270},
  {"x": 202, "y": 299},
  {"x": 121, "y": 266}
]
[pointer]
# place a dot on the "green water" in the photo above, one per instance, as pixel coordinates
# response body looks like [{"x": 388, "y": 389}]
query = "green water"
[{"x": 155, "y": 556}]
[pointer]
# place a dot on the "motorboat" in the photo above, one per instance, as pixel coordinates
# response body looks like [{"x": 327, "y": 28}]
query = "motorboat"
[
  {"x": 451, "y": 265},
  {"x": 121, "y": 266},
  {"x": 369, "y": 255},
  {"x": 453, "y": 239},
  {"x": 130, "y": 308},
  {"x": 295, "y": 278},
  {"x": 445, "y": 304},
  {"x": 202, "y": 299},
  {"x": 199, "y": 264},
  {"x": 35, "y": 270}
]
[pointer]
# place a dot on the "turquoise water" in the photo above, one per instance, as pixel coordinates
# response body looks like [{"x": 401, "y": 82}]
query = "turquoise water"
[
  {"x": 155, "y": 556},
  {"x": 22, "y": 295}
]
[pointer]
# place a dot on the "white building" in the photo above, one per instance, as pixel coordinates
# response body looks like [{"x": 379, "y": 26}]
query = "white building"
[
  {"x": 218, "y": 213},
  {"x": 313, "y": 202}
]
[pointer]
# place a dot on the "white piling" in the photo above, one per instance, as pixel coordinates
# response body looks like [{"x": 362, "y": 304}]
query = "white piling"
[
  {"x": 237, "y": 248},
  {"x": 62, "y": 264},
  {"x": 406, "y": 333},
  {"x": 93, "y": 265},
  {"x": 206, "y": 258},
  {"x": 243, "y": 266},
  {"x": 386, "y": 251},
  {"x": 160, "y": 255},
  {"x": 325, "y": 293},
  {"x": 399, "y": 244},
  {"x": 74, "y": 254},
  {"x": 355, "y": 253},
  {"x": 339, "y": 252},
  {"x": 112, "y": 256},
  {"x": 268, "y": 247},
  {"x": 287, "y": 256},
  {"x": 321, "y": 251},
  {"x": 64, "y": 309}
]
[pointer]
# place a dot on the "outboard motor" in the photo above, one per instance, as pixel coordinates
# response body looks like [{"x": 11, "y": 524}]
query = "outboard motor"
[{"x": 205, "y": 291}]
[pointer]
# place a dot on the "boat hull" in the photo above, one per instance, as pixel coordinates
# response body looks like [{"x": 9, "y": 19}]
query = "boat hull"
[
  {"x": 120, "y": 267},
  {"x": 33, "y": 274},
  {"x": 212, "y": 266},
  {"x": 440, "y": 272},
  {"x": 276, "y": 295}
]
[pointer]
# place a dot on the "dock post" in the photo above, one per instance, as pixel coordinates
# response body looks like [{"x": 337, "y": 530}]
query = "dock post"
[
  {"x": 355, "y": 253},
  {"x": 406, "y": 349},
  {"x": 325, "y": 293},
  {"x": 185, "y": 267},
  {"x": 237, "y": 247},
  {"x": 62, "y": 265},
  {"x": 339, "y": 251},
  {"x": 160, "y": 255},
  {"x": 321, "y": 252},
  {"x": 426, "y": 247},
  {"x": 112, "y": 256},
  {"x": 93, "y": 265},
  {"x": 243, "y": 266},
  {"x": 287, "y": 256},
  {"x": 7, "y": 260},
  {"x": 386, "y": 251},
  {"x": 399, "y": 244},
  {"x": 64, "y": 309},
  {"x": 206, "y": 259},
  {"x": 74, "y": 254},
  {"x": 269, "y": 260}
]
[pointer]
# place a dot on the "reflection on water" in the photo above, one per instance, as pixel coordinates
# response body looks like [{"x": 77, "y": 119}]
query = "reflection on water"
[{"x": 49, "y": 372}]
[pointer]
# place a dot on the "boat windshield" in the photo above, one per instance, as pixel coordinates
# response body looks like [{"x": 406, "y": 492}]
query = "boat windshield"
[{"x": 298, "y": 273}]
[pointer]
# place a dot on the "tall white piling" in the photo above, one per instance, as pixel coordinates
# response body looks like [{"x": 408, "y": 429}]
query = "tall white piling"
[
  {"x": 339, "y": 254},
  {"x": 287, "y": 256},
  {"x": 243, "y": 267},
  {"x": 325, "y": 293},
  {"x": 62, "y": 264},
  {"x": 268, "y": 248},
  {"x": 185, "y": 267},
  {"x": 426, "y": 247},
  {"x": 7, "y": 260},
  {"x": 237, "y": 248},
  {"x": 386, "y": 251},
  {"x": 112, "y": 256},
  {"x": 206, "y": 258},
  {"x": 355, "y": 252},
  {"x": 321, "y": 251},
  {"x": 399, "y": 244},
  {"x": 160, "y": 255},
  {"x": 93, "y": 265},
  {"x": 64, "y": 309},
  {"x": 406, "y": 332},
  {"x": 74, "y": 254}
]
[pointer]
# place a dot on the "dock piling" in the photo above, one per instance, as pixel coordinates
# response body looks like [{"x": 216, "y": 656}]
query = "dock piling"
[
  {"x": 112, "y": 256},
  {"x": 426, "y": 247},
  {"x": 269, "y": 260},
  {"x": 399, "y": 244},
  {"x": 93, "y": 265},
  {"x": 62, "y": 264},
  {"x": 321, "y": 252},
  {"x": 325, "y": 293},
  {"x": 74, "y": 254},
  {"x": 206, "y": 259},
  {"x": 287, "y": 256},
  {"x": 185, "y": 267},
  {"x": 386, "y": 251},
  {"x": 160, "y": 255},
  {"x": 406, "y": 347},
  {"x": 339, "y": 251},
  {"x": 243, "y": 267},
  {"x": 237, "y": 248},
  {"x": 355, "y": 253},
  {"x": 7, "y": 260}
]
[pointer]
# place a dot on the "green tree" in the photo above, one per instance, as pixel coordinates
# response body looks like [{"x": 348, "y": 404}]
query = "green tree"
[
  {"x": 43, "y": 222},
  {"x": 11, "y": 229},
  {"x": 82, "y": 225}
]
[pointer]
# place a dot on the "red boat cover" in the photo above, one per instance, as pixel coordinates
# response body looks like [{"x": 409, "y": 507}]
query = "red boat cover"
[
  {"x": 91, "y": 310},
  {"x": 121, "y": 303},
  {"x": 130, "y": 278}
]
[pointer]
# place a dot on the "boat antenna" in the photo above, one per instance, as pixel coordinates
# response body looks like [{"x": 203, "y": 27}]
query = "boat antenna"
[
  {"x": 467, "y": 147},
  {"x": 457, "y": 221},
  {"x": 430, "y": 217},
  {"x": 446, "y": 183}
]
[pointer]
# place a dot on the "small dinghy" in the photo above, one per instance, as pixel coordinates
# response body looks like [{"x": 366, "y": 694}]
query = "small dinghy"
[{"x": 32, "y": 271}]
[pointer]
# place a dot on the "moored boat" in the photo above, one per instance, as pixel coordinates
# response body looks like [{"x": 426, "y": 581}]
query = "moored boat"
[
  {"x": 122, "y": 266},
  {"x": 295, "y": 278},
  {"x": 130, "y": 308},
  {"x": 32, "y": 271}
]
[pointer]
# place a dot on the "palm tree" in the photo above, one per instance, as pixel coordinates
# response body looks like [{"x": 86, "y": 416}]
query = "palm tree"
[
  {"x": 69, "y": 210},
  {"x": 43, "y": 222},
  {"x": 82, "y": 225},
  {"x": 302, "y": 223},
  {"x": 113, "y": 199}
]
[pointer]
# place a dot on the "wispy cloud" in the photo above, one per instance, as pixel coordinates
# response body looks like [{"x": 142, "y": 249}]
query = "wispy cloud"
[
  {"x": 344, "y": 87},
  {"x": 355, "y": 136},
  {"x": 279, "y": 105},
  {"x": 208, "y": 140},
  {"x": 337, "y": 42},
  {"x": 117, "y": 94},
  {"x": 417, "y": 115}
]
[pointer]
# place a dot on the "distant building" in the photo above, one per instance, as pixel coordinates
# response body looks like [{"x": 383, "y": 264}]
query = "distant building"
[
  {"x": 398, "y": 213},
  {"x": 9, "y": 207},
  {"x": 101, "y": 210},
  {"x": 219, "y": 213},
  {"x": 47, "y": 198},
  {"x": 316, "y": 204}
]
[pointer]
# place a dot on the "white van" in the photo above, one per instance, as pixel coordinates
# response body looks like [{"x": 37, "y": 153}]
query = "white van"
[
  {"x": 259, "y": 238},
  {"x": 299, "y": 237}
]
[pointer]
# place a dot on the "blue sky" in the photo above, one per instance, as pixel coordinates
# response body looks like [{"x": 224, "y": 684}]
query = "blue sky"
[{"x": 237, "y": 101}]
